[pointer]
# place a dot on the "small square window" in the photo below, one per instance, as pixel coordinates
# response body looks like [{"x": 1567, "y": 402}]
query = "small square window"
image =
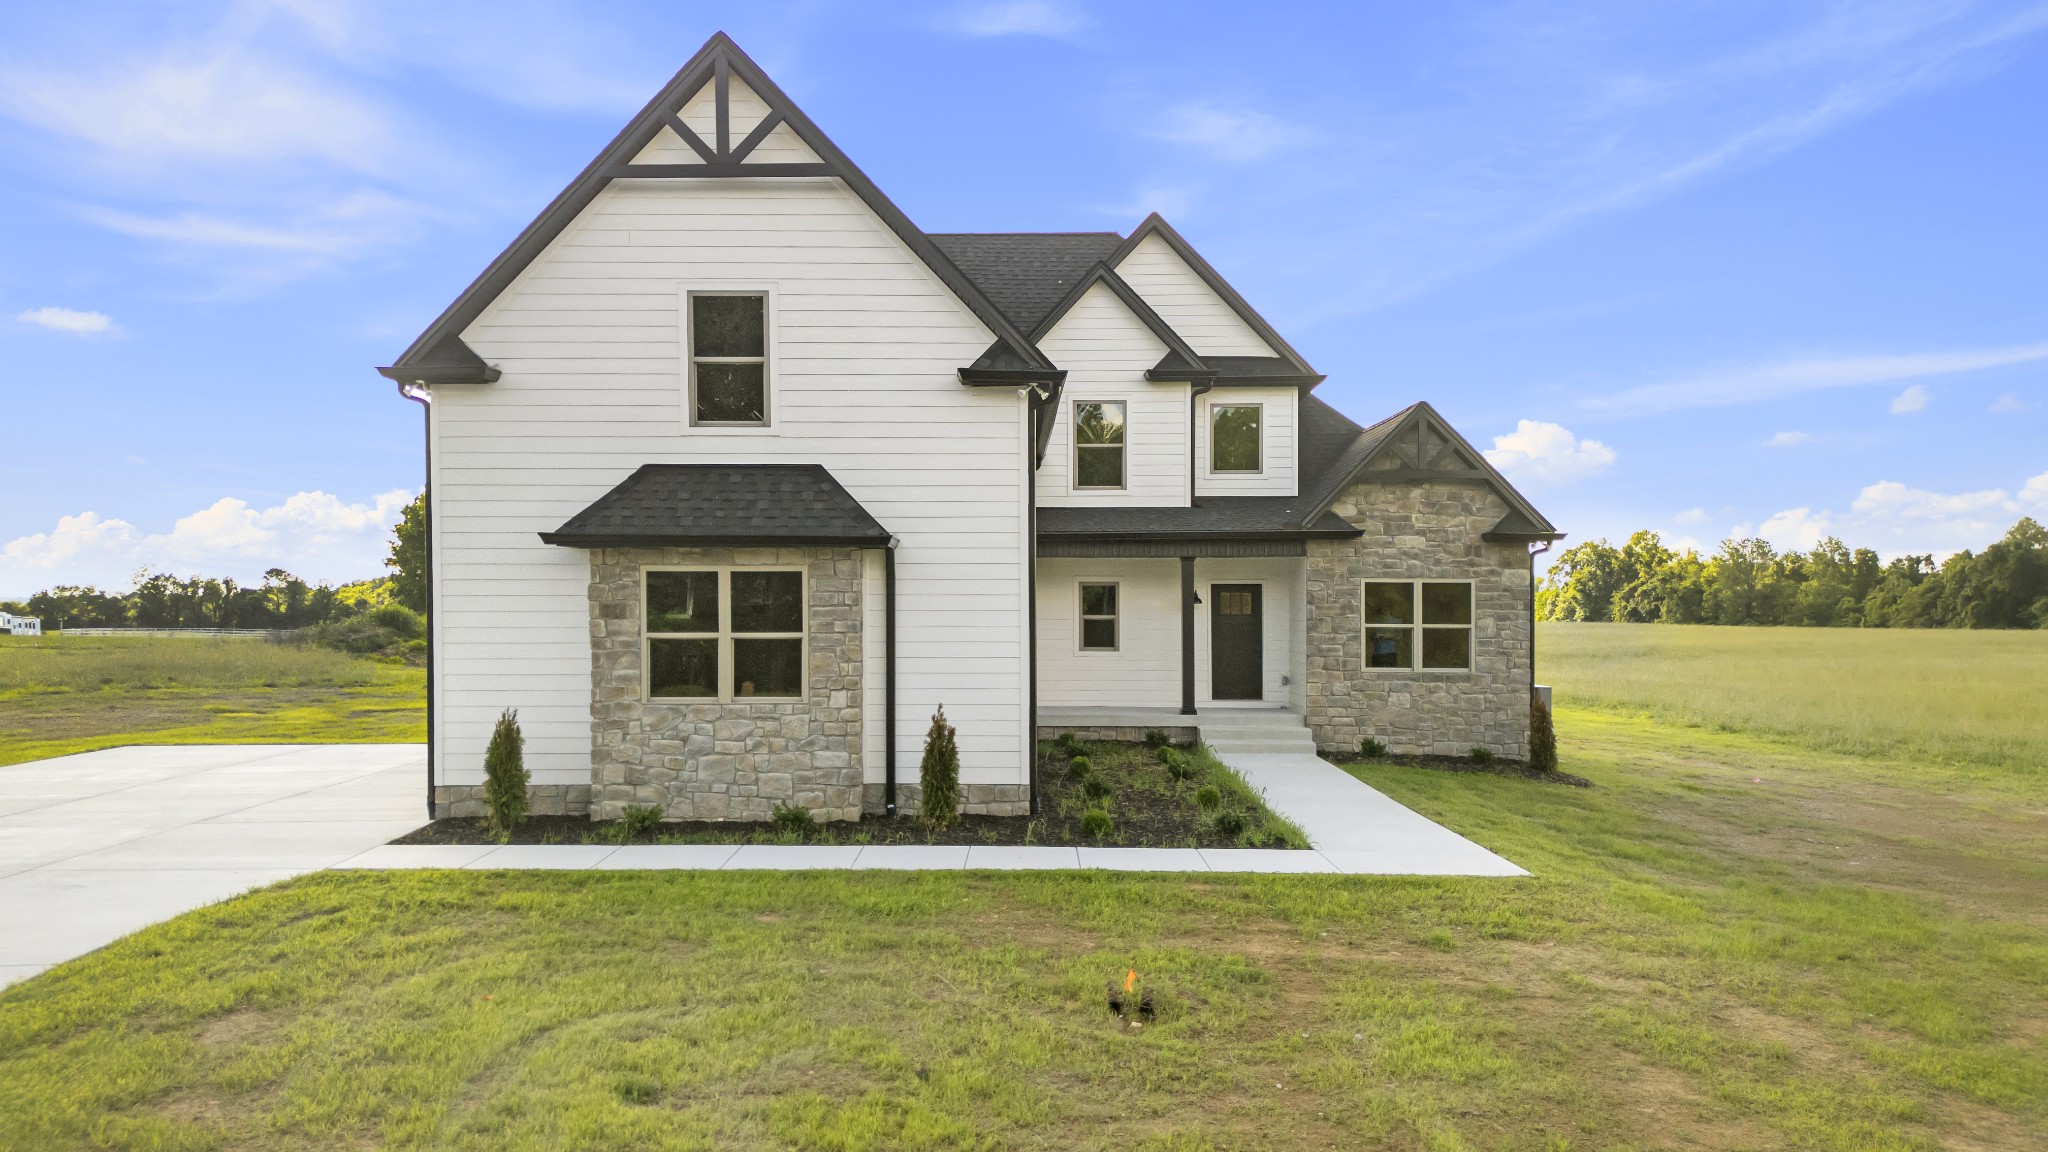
[
  {"x": 1098, "y": 617},
  {"x": 728, "y": 358},
  {"x": 1234, "y": 443}
]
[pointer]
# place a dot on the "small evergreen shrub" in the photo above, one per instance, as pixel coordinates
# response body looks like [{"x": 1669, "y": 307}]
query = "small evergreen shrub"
[
  {"x": 1208, "y": 798},
  {"x": 1372, "y": 749},
  {"x": 1097, "y": 823},
  {"x": 1229, "y": 822},
  {"x": 505, "y": 776},
  {"x": 1180, "y": 765},
  {"x": 639, "y": 819},
  {"x": 1157, "y": 738},
  {"x": 790, "y": 818},
  {"x": 1096, "y": 788},
  {"x": 1068, "y": 743},
  {"x": 1542, "y": 736},
  {"x": 1079, "y": 768},
  {"x": 1480, "y": 756},
  {"x": 939, "y": 773}
]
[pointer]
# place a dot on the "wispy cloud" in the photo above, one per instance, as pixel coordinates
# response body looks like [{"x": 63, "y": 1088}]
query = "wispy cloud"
[
  {"x": 68, "y": 320},
  {"x": 1548, "y": 453},
  {"x": 1017, "y": 18},
  {"x": 2011, "y": 404},
  {"x": 1788, "y": 440},
  {"x": 1790, "y": 377},
  {"x": 1691, "y": 516},
  {"x": 1232, "y": 134},
  {"x": 1913, "y": 399},
  {"x": 1901, "y": 518}
]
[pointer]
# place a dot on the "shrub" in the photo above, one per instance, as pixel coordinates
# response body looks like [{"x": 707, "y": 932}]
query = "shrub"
[
  {"x": 399, "y": 620},
  {"x": 1208, "y": 798},
  {"x": 1080, "y": 768},
  {"x": 1178, "y": 764},
  {"x": 1157, "y": 738},
  {"x": 939, "y": 773},
  {"x": 1229, "y": 822},
  {"x": 1068, "y": 743},
  {"x": 1480, "y": 756},
  {"x": 639, "y": 819},
  {"x": 505, "y": 776},
  {"x": 1372, "y": 749},
  {"x": 790, "y": 818},
  {"x": 1097, "y": 823},
  {"x": 1096, "y": 788},
  {"x": 1542, "y": 736}
]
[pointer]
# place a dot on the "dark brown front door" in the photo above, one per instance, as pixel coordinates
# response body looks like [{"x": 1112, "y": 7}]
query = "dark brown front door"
[{"x": 1236, "y": 642}]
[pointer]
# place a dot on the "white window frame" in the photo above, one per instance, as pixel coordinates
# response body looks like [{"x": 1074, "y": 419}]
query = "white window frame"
[
  {"x": 766, "y": 359},
  {"x": 1213, "y": 405},
  {"x": 1081, "y": 617},
  {"x": 724, "y": 636},
  {"x": 1123, "y": 483},
  {"x": 1417, "y": 627}
]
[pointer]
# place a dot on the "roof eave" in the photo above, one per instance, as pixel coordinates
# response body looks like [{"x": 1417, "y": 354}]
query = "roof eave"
[
  {"x": 680, "y": 540},
  {"x": 1010, "y": 377}
]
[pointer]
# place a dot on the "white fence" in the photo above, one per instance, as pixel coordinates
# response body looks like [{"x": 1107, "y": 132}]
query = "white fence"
[{"x": 273, "y": 633}]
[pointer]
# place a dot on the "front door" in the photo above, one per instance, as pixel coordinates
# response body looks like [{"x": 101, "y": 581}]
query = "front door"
[{"x": 1236, "y": 642}]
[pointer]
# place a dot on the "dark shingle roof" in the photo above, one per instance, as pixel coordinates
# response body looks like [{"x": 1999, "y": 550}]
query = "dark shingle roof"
[
  {"x": 723, "y": 504},
  {"x": 1026, "y": 274},
  {"x": 1234, "y": 517}
]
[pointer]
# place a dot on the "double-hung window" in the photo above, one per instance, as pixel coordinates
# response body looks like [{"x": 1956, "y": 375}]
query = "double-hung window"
[
  {"x": 1099, "y": 444},
  {"x": 728, "y": 358},
  {"x": 1417, "y": 623},
  {"x": 1098, "y": 618},
  {"x": 732, "y": 634},
  {"x": 1234, "y": 444}
]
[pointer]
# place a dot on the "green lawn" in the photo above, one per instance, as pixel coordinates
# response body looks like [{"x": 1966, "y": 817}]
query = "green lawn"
[
  {"x": 1732, "y": 941},
  {"x": 65, "y": 694}
]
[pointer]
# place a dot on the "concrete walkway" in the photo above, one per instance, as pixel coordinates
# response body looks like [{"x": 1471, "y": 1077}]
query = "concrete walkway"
[{"x": 98, "y": 845}]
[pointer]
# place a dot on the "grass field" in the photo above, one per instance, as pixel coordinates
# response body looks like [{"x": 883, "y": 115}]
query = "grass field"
[
  {"x": 60, "y": 695},
  {"x": 1732, "y": 941}
]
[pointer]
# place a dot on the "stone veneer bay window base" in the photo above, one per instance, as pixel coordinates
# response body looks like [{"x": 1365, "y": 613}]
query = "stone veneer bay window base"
[
  {"x": 1420, "y": 531},
  {"x": 541, "y": 800},
  {"x": 738, "y": 760}
]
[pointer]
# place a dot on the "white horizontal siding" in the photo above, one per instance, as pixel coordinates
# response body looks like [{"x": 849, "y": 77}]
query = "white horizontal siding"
[
  {"x": 1278, "y": 475},
  {"x": 864, "y": 348},
  {"x": 1187, "y": 304},
  {"x": 1106, "y": 350}
]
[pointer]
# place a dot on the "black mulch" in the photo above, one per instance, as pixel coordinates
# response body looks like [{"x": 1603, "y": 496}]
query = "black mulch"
[{"x": 1150, "y": 809}]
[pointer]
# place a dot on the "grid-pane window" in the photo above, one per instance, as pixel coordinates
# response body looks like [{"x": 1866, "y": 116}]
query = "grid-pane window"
[
  {"x": 1099, "y": 444},
  {"x": 1234, "y": 437},
  {"x": 1417, "y": 623},
  {"x": 729, "y": 635},
  {"x": 728, "y": 359},
  {"x": 1098, "y": 617}
]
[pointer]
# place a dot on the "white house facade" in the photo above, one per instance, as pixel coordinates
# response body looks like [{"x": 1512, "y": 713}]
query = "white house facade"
[{"x": 736, "y": 477}]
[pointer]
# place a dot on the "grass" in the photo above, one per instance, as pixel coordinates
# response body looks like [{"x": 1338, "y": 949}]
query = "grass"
[
  {"x": 1956, "y": 698},
  {"x": 60, "y": 695},
  {"x": 1734, "y": 940}
]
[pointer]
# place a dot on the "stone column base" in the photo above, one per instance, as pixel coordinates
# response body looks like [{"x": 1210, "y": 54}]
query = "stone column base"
[{"x": 541, "y": 800}]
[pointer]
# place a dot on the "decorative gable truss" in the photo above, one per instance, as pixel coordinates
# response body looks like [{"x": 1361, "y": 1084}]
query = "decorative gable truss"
[
  {"x": 719, "y": 117},
  {"x": 1418, "y": 445}
]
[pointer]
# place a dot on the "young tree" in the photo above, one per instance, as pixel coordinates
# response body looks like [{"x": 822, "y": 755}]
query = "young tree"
[
  {"x": 939, "y": 773},
  {"x": 505, "y": 776},
  {"x": 408, "y": 559},
  {"x": 1542, "y": 735}
]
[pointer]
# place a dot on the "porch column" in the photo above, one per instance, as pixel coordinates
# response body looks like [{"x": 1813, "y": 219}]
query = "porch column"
[{"x": 1187, "y": 635}]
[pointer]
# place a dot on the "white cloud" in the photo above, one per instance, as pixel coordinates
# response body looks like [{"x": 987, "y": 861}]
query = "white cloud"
[
  {"x": 1913, "y": 399},
  {"x": 1796, "y": 529},
  {"x": 313, "y": 534},
  {"x": 1788, "y": 440},
  {"x": 1018, "y": 18},
  {"x": 1691, "y": 516},
  {"x": 1785, "y": 378},
  {"x": 1228, "y": 133},
  {"x": 1548, "y": 453},
  {"x": 68, "y": 320},
  {"x": 2011, "y": 403}
]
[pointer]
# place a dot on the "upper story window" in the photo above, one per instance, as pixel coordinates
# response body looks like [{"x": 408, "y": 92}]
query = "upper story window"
[
  {"x": 1405, "y": 619},
  {"x": 1234, "y": 438},
  {"x": 728, "y": 358},
  {"x": 735, "y": 634},
  {"x": 1099, "y": 444}
]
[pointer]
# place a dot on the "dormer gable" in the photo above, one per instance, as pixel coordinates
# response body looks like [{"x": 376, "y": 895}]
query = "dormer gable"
[{"x": 1195, "y": 299}]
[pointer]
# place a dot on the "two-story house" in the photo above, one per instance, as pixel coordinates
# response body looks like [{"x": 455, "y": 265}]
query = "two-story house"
[{"x": 736, "y": 476}]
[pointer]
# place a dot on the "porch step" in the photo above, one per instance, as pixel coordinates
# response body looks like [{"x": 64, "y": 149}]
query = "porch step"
[{"x": 1257, "y": 732}]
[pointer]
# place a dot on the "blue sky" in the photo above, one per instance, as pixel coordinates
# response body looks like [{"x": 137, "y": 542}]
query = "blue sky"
[{"x": 1767, "y": 267}]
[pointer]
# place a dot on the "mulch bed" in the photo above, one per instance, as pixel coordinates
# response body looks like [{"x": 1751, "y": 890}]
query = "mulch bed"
[
  {"x": 1511, "y": 768},
  {"x": 1151, "y": 810}
]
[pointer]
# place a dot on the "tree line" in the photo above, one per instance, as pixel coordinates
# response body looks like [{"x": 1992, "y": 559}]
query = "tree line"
[{"x": 1749, "y": 582}]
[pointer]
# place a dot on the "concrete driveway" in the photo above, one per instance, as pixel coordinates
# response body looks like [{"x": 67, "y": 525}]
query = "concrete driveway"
[{"x": 98, "y": 845}]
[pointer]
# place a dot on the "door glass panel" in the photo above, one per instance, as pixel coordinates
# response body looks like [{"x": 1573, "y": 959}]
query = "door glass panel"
[{"x": 682, "y": 602}]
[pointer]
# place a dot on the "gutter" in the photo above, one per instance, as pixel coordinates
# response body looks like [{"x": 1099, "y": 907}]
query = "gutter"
[
  {"x": 1039, "y": 397},
  {"x": 1533, "y": 554},
  {"x": 889, "y": 679},
  {"x": 417, "y": 393},
  {"x": 1195, "y": 392}
]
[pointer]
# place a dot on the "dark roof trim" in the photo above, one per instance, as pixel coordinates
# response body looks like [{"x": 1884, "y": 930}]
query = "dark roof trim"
[
  {"x": 1186, "y": 546},
  {"x": 448, "y": 362},
  {"x": 1338, "y": 531},
  {"x": 1011, "y": 377},
  {"x": 1155, "y": 223},
  {"x": 1352, "y": 466},
  {"x": 714, "y": 62},
  {"x": 1515, "y": 528},
  {"x": 723, "y": 505},
  {"x": 570, "y": 540},
  {"x": 1106, "y": 276}
]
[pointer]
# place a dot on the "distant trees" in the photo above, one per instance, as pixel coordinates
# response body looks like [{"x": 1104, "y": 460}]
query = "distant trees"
[
  {"x": 408, "y": 559},
  {"x": 1749, "y": 582},
  {"x": 161, "y": 600}
]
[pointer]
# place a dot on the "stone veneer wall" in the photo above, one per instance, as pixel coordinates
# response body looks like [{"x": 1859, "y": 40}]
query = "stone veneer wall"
[
  {"x": 1420, "y": 531},
  {"x": 716, "y": 761},
  {"x": 541, "y": 800}
]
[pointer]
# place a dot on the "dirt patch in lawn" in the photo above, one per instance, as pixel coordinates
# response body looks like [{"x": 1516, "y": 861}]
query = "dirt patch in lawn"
[{"x": 1513, "y": 769}]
